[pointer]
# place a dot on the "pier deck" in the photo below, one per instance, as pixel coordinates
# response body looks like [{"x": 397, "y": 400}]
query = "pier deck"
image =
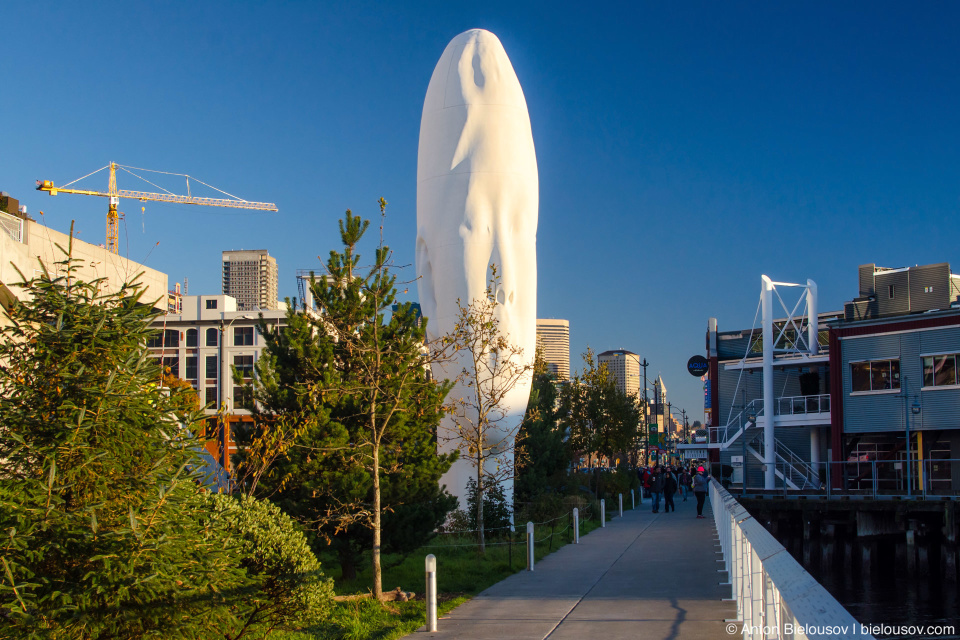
[{"x": 644, "y": 576}]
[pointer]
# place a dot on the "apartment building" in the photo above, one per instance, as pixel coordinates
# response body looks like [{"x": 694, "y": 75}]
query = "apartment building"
[
  {"x": 624, "y": 366},
  {"x": 250, "y": 277},
  {"x": 201, "y": 345}
]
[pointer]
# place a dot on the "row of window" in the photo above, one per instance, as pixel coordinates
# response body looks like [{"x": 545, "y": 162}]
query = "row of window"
[
  {"x": 242, "y": 337},
  {"x": 881, "y": 375},
  {"x": 171, "y": 366}
]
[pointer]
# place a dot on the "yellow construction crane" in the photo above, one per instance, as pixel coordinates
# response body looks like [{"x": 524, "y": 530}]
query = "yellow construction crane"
[{"x": 113, "y": 217}]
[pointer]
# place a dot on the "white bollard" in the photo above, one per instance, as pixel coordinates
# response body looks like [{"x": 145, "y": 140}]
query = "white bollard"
[
  {"x": 431, "y": 592},
  {"x": 603, "y": 513},
  {"x": 633, "y": 499},
  {"x": 620, "y": 503},
  {"x": 576, "y": 526},
  {"x": 530, "y": 557}
]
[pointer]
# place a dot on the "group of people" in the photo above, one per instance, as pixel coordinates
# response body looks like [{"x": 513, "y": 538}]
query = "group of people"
[{"x": 664, "y": 481}]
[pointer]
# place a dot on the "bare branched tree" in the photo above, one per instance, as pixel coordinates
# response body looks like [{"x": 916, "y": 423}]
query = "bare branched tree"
[{"x": 485, "y": 428}]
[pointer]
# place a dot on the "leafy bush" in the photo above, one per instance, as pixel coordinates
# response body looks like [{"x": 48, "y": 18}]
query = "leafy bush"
[
  {"x": 496, "y": 514},
  {"x": 289, "y": 590}
]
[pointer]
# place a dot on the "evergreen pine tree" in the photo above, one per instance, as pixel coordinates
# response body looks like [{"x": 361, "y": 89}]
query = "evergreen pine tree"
[
  {"x": 105, "y": 530},
  {"x": 352, "y": 386}
]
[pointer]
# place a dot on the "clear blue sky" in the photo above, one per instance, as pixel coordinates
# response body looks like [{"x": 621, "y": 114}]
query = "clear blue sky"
[{"x": 684, "y": 148}]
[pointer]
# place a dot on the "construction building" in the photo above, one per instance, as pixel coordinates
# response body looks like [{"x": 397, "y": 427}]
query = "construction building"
[
  {"x": 25, "y": 243},
  {"x": 250, "y": 278},
  {"x": 553, "y": 339}
]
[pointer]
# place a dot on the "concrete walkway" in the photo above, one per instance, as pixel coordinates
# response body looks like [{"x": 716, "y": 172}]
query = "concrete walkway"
[{"x": 644, "y": 576}]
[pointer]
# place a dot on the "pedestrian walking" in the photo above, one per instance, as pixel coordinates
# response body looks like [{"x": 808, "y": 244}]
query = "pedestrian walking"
[
  {"x": 700, "y": 483},
  {"x": 685, "y": 480},
  {"x": 656, "y": 487},
  {"x": 669, "y": 488}
]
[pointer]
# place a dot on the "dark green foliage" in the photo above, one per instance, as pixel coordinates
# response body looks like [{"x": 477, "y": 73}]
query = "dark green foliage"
[
  {"x": 105, "y": 530},
  {"x": 601, "y": 419},
  {"x": 496, "y": 512},
  {"x": 290, "y": 589},
  {"x": 543, "y": 454},
  {"x": 350, "y": 387}
]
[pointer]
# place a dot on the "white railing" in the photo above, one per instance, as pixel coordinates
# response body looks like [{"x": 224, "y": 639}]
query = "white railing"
[
  {"x": 730, "y": 431},
  {"x": 12, "y": 225},
  {"x": 802, "y": 405},
  {"x": 776, "y": 597}
]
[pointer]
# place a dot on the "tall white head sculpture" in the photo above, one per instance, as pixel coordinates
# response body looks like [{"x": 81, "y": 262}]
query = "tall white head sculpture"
[{"x": 477, "y": 200}]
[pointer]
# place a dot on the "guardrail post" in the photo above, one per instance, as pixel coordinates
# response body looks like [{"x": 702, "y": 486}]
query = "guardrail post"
[
  {"x": 576, "y": 526},
  {"x": 530, "y": 540},
  {"x": 603, "y": 513},
  {"x": 431, "y": 566},
  {"x": 829, "y": 477},
  {"x": 620, "y": 503}
]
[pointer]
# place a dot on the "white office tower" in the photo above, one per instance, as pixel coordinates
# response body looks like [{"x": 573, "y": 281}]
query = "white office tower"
[
  {"x": 553, "y": 338},
  {"x": 251, "y": 278},
  {"x": 624, "y": 366}
]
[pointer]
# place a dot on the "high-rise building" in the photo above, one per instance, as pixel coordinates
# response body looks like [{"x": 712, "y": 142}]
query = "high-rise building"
[
  {"x": 553, "y": 338},
  {"x": 624, "y": 366},
  {"x": 251, "y": 278}
]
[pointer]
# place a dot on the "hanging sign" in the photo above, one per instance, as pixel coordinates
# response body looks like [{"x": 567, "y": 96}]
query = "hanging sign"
[{"x": 698, "y": 365}]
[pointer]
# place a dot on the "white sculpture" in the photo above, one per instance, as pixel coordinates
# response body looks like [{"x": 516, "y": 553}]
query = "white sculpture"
[{"x": 477, "y": 201}]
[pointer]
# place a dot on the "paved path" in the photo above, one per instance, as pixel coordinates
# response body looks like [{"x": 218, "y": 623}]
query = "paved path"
[{"x": 644, "y": 576}]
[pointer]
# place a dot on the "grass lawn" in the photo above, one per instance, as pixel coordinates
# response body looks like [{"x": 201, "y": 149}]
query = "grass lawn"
[{"x": 461, "y": 573}]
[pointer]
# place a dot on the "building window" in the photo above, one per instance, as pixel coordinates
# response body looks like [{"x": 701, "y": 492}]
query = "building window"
[
  {"x": 243, "y": 398},
  {"x": 243, "y": 365},
  {"x": 211, "y": 304},
  {"x": 243, "y": 336},
  {"x": 191, "y": 337},
  {"x": 191, "y": 368},
  {"x": 875, "y": 375},
  {"x": 211, "y": 337},
  {"x": 155, "y": 341},
  {"x": 940, "y": 371},
  {"x": 211, "y": 397},
  {"x": 171, "y": 338},
  {"x": 171, "y": 366},
  {"x": 212, "y": 368},
  {"x": 890, "y": 291}
]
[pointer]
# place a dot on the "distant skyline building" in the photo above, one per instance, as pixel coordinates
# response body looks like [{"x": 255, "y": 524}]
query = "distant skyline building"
[
  {"x": 553, "y": 337},
  {"x": 251, "y": 278},
  {"x": 624, "y": 366}
]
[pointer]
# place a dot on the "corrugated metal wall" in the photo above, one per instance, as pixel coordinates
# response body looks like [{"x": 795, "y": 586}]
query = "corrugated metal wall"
[{"x": 940, "y": 408}]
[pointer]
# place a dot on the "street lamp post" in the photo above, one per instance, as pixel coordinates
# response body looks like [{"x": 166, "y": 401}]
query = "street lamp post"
[{"x": 915, "y": 410}]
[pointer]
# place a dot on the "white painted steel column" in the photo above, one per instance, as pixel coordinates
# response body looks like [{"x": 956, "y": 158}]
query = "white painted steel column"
[
  {"x": 769, "y": 410},
  {"x": 431, "y": 566},
  {"x": 815, "y": 453},
  {"x": 813, "y": 326}
]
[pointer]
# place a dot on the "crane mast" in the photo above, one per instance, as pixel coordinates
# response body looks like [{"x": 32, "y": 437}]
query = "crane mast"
[{"x": 114, "y": 194}]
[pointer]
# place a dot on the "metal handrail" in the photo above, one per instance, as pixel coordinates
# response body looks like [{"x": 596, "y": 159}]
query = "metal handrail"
[
  {"x": 803, "y": 405},
  {"x": 774, "y": 593}
]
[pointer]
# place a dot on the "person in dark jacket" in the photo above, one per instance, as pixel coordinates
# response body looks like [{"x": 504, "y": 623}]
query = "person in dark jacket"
[
  {"x": 656, "y": 488},
  {"x": 700, "y": 483},
  {"x": 669, "y": 488},
  {"x": 685, "y": 480}
]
